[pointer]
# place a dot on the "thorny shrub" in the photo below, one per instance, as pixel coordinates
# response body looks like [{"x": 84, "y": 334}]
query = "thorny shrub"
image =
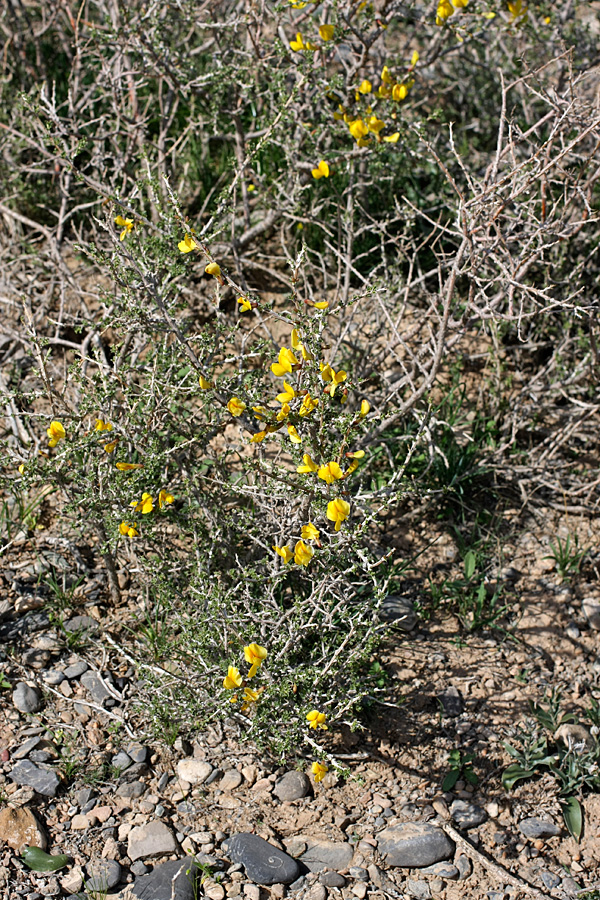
[{"x": 242, "y": 244}]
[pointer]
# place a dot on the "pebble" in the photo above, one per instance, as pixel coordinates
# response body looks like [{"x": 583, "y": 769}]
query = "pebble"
[
  {"x": 26, "y": 748},
  {"x": 231, "y": 780},
  {"x": 442, "y": 870},
  {"x": 414, "y": 845},
  {"x": 549, "y": 879},
  {"x": 452, "y": 701},
  {"x": 80, "y": 823},
  {"x": 138, "y": 868},
  {"x": 538, "y": 828},
  {"x": 121, "y": 761},
  {"x": 103, "y": 875},
  {"x": 132, "y": 790},
  {"x": 316, "y": 892},
  {"x": 398, "y": 610},
  {"x": 293, "y": 786},
  {"x": 332, "y": 879},
  {"x": 570, "y": 886},
  {"x": 20, "y": 827},
  {"x": 43, "y": 780},
  {"x": 72, "y": 882},
  {"x": 26, "y": 699},
  {"x": 214, "y": 891},
  {"x": 295, "y": 846},
  {"x": 194, "y": 771},
  {"x": 96, "y": 688},
  {"x": 360, "y": 890},
  {"x": 169, "y": 881},
  {"x": 358, "y": 873},
  {"x": 137, "y": 752},
  {"x": 84, "y": 624},
  {"x": 464, "y": 866},
  {"x": 76, "y": 670},
  {"x": 322, "y": 854},
  {"x": 152, "y": 839},
  {"x": 263, "y": 784},
  {"x": 252, "y": 891},
  {"x": 264, "y": 863},
  {"x": 250, "y": 774},
  {"x": 53, "y": 677},
  {"x": 418, "y": 889},
  {"x": 466, "y": 814},
  {"x": 591, "y": 610},
  {"x": 36, "y": 658}
]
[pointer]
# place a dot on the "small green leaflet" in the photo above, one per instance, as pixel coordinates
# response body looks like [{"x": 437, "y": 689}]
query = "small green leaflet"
[
  {"x": 39, "y": 861},
  {"x": 573, "y": 816}
]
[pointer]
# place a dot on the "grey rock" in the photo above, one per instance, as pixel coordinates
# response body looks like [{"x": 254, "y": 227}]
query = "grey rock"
[
  {"x": 231, "y": 780},
  {"x": 571, "y": 733},
  {"x": 538, "y": 828},
  {"x": 174, "y": 880},
  {"x": 134, "y": 772},
  {"x": 35, "y": 658},
  {"x": 40, "y": 756},
  {"x": 293, "y": 786},
  {"x": 467, "y": 814},
  {"x": 495, "y": 895},
  {"x": 381, "y": 880},
  {"x": 549, "y": 879},
  {"x": 131, "y": 790},
  {"x": 298, "y": 884},
  {"x": 418, "y": 889},
  {"x": 452, "y": 702},
  {"x": 264, "y": 864},
  {"x": 358, "y": 873},
  {"x": 137, "y": 752},
  {"x": 103, "y": 875},
  {"x": 194, "y": 771},
  {"x": 27, "y": 624},
  {"x": 321, "y": 854},
  {"x": 84, "y": 796},
  {"x": 398, "y": 610},
  {"x": 570, "y": 886},
  {"x": 81, "y": 624},
  {"x": 26, "y": 699},
  {"x": 591, "y": 610},
  {"x": 332, "y": 879},
  {"x": 138, "y": 868},
  {"x": 94, "y": 685},
  {"x": 121, "y": 760},
  {"x": 216, "y": 773},
  {"x": 295, "y": 846},
  {"x": 162, "y": 782},
  {"x": 464, "y": 866},
  {"x": 316, "y": 892},
  {"x": 152, "y": 839},
  {"x": 159, "y": 809},
  {"x": 53, "y": 677},
  {"x": 25, "y": 748},
  {"x": 414, "y": 845},
  {"x": 442, "y": 870},
  {"x": 76, "y": 670},
  {"x": 43, "y": 780}
]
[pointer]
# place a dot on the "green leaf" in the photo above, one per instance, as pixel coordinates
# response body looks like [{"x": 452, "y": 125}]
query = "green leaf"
[
  {"x": 573, "y": 816},
  {"x": 470, "y": 776},
  {"x": 513, "y": 774},
  {"x": 39, "y": 861},
  {"x": 470, "y": 562},
  {"x": 450, "y": 779}
]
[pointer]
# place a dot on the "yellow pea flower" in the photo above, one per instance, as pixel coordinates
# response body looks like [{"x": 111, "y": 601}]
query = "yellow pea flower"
[
  {"x": 319, "y": 770},
  {"x": 126, "y": 224},
  {"x": 415, "y": 57},
  {"x": 294, "y": 436},
  {"x": 165, "y": 499},
  {"x": 288, "y": 394},
  {"x": 332, "y": 377},
  {"x": 365, "y": 87},
  {"x": 399, "y": 92},
  {"x": 303, "y": 553},
  {"x": 236, "y": 407},
  {"x": 316, "y": 720},
  {"x": 284, "y": 552},
  {"x": 330, "y": 472},
  {"x": 321, "y": 304},
  {"x": 214, "y": 269},
  {"x": 357, "y": 454},
  {"x": 233, "y": 679},
  {"x": 460, "y": 4},
  {"x": 365, "y": 406},
  {"x": 204, "y": 383},
  {"x": 375, "y": 124},
  {"x": 102, "y": 426},
  {"x": 56, "y": 433},
  {"x": 386, "y": 76},
  {"x": 310, "y": 532},
  {"x": 392, "y": 138},
  {"x": 259, "y": 412},
  {"x": 283, "y": 412},
  {"x": 258, "y": 437},
  {"x": 307, "y": 405},
  {"x": 255, "y": 655},
  {"x": 444, "y": 11},
  {"x": 187, "y": 244},
  {"x": 297, "y": 4},
  {"x": 307, "y": 466},
  {"x": 358, "y": 129},
  {"x": 129, "y": 530},
  {"x": 145, "y": 505},
  {"x": 128, "y": 467},
  {"x": 249, "y": 698},
  {"x": 326, "y": 32},
  {"x": 245, "y": 304},
  {"x": 299, "y": 44},
  {"x": 384, "y": 91},
  {"x": 285, "y": 362},
  {"x": 516, "y": 9},
  {"x": 337, "y": 511},
  {"x": 351, "y": 468},
  {"x": 21, "y": 469},
  {"x": 110, "y": 448},
  {"x": 322, "y": 170}
]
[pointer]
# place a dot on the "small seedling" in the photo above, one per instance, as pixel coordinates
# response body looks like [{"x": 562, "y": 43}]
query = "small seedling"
[{"x": 459, "y": 765}]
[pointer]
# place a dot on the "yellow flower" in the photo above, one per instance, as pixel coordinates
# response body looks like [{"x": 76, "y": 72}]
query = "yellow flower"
[
  {"x": 516, "y": 9},
  {"x": 365, "y": 406},
  {"x": 358, "y": 129},
  {"x": 145, "y": 505},
  {"x": 365, "y": 87},
  {"x": 56, "y": 433},
  {"x": 283, "y": 412},
  {"x": 351, "y": 468},
  {"x": 21, "y": 469},
  {"x": 316, "y": 720},
  {"x": 125, "y": 224},
  {"x": 213, "y": 268},
  {"x": 299, "y": 44},
  {"x": 415, "y": 57},
  {"x": 258, "y": 437},
  {"x": 307, "y": 405},
  {"x": 129, "y": 530},
  {"x": 444, "y": 11},
  {"x": 249, "y": 698},
  {"x": 319, "y": 770},
  {"x": 236, "y": 407},
  {"x": 358, "y": 454},
  {"x": 294, "y": 436},
  {"x": 233, "y": 679},
  {"x": 127, "y": 467},
  {"x": 392, "y": 138},
  {"x": 308, "y": 465},
  {"x": 259, "y": 412},
  {"x": 285, "y": 553},
  {"x": 109, "y": 448},
  {"x": 164, "y": 499},
  {"x": 303, "y": 553},
  {"x": 321, "y": 304},
  {"x": 288, "y": 394},
  {"x": 460, "y": 4},
  {"x": 332, "y": 377},
  {"x": 187, "y": 244},
  {"x": 310, "y": 532},
  {"x": 399, "y": 92},
  {"x": 245, "y": 304},
  {"x": 322, "y": 170},
  {"x": 298, "y": 345},
  {"x": 386, "y": 76},
  {"x": 255, "y": 655},
  {"x": 297, "y": 4},
  {"x": 330, "y": 472},
  {"x": 204, "y": 384},
  {"x": 337, "y": 511},
  {"x": 102, "y": 426},
  {"x": 326, "y": 32},
  {"x": 375, "y": 124},
  {"x": 285, "y": 362}
]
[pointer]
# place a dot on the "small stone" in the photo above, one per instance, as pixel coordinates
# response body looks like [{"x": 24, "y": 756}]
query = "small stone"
[
  {"x": 358, "y": 873},
  {"x": 26, "y": 699},
  {"x": 80, "y": 823},
  {"x": 132, "y": 790},
  {"x": 194, "y": 771},
  {"x": 103, "y": 875},
  {"x": 26, "y": 748},
  {"x": 35, "y": 658},
  {"x": 414, "y": 845},
  {"x": 380, "y": 879},
  {"x": 442, "y": 870},
  {"x": 321, "y": 854},
  {"x": 152, "y": 839},
  {"x": 570, "y": 886},
  {"x": 174, "y": 880},
  {"x": 278, "y": 891},
  {"x": 298, "y": 884},
  {"x": 466, "y": 814},
  {"x": 572, "y": 734},
  {"x": 316, "y": 892},
  {"x": 250, "y": 774},
  {"x": 81, "y": 624},
  {"x": 591, "y": 610},
  {"x": 295, "y": 846},
  {"x": 53, "y": 677},
  {"x": 20, "y": 827},
  {"x": 332, "y": 879},
  {"x": 549, "y": 879},
  {"x": 214, "y": 891},
  {"x": 263, "y": 784},
  {"x": 252, "y": 891},
  {"x": 72, "y": 882},
  {"x": 398, "y": 610},
  {"x": 138, "y": 868},
  {"x": 137, "y": 752},
  {"x": 293, "y": 786},
  {"x": 43, "y": 780},
  {"x": 418, "y": 889},
  {"x": 452, "y": 701},
  {"x": 538, "y": 828},
  {"x": 93, "y": 684},
  {"x": 121, "y": 761},
  {"x": 492, "y": 809},
  {"x": 464, "y": 866},
  {"x": 76, "y": 670},
  {"x": 231, "y": 780},
  {"x": 264, "y": 864},
  {"x": 360, "y": 890}
]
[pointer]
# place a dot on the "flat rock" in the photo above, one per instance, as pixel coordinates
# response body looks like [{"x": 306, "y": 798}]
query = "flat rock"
[
  {"x": 174, "y": 880},
  {"x": 19, "y": 827},
  {"x": 591, "y": 610},
  {"x": 293, "y": 786},
  {"x": 43, "y": 780},
  {"x": 442, "y": 870},
  {"x": 571, "y": 733},
  {"x": 131, "y": 790},
  {"x": 467, "y": 814},
  {"x": 26, "y": 699},
  {"x": 152, "y": 839},
  {"x": 231, "y": 780},
  {"x": 398, "y": 610},
  {"x": 94, "y": 685},
  {"x": 414, "y": 845},
  {"x": 76, "y": 669},
  {"x": 538, "y": 828},
  {"x": 332, "y": 880},
  {"x": 103, "y": 875},
  {"x": 452, "y": 702},
  {"x": 418, "y": 889},
  {"x": 264, "y": 863},
  {"x": 321, "y": 854},
  {"x": 25, "y": 748},
  {"x": 194, "y": 771},
  {"x": 81, "y": 624}
]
